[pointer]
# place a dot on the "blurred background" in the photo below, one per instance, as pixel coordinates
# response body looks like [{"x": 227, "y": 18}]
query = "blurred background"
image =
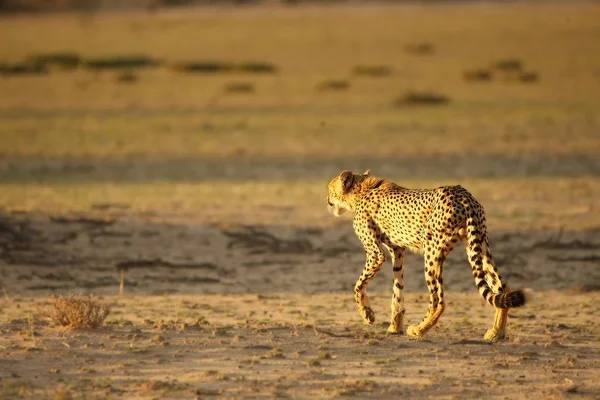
[{"x": 199, "y": 136}]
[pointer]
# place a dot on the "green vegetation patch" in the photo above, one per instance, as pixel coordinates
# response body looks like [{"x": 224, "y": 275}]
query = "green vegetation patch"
[
  {"x": 24, "y": 68},
  {"x": 215, "y": 67},
  {"x": 120, "y": 62},
  {"x": 66, "y": 60}
]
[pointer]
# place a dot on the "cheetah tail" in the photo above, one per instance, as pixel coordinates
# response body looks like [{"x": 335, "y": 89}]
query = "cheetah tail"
[
  {"x": 512, "y": 299},
  {"x": 484, "y": 271}
]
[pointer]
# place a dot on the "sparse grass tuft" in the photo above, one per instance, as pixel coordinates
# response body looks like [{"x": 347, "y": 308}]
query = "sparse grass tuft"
[
  {"x": 75, "y": 311},
  {"x": 508, "y": 70},
  {"x": 375, "y": 71},
  {"x": 24, "y": 68},
  {"x": 63, "y": 392},
  {"x": 529, "y": 77},
  {"x": 411, "y": 98},
  {"x": 65, "y": 60},
  {"x": 213, "y": 67},
  {"x": 121, "y": 62},
  {"x": 313, "y": 362},
  {"x": 239, "y": 87},
  {"x": 419, "y": 48},
  {"x": 14, "y": 389},
  {"x": 508, "y": 65},
  {"x": 333, "y": 85},
  {"x": 127, "y": 77},
  {"x": 477, "y": 75},
  {"x": 206, "y": 67},
  {"x": 274, "y": 353},
  {"x": 154, "y": 386},
  {"x": 257, "y": 68}
]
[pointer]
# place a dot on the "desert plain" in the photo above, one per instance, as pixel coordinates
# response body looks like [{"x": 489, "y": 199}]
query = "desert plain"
[{"x": 208, "y": 190}]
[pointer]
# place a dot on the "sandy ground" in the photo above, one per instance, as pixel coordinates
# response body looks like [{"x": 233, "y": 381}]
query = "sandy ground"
[
  {"x": 301, "y": 346},
  {"x": 261, "y": 311}
]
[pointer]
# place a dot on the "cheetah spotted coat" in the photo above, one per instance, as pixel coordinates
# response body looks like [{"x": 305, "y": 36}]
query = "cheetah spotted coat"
[{"x": 429, "y": 221}]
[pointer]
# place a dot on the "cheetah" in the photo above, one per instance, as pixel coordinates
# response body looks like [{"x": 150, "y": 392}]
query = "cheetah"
[{"x": 427, "y": 221}]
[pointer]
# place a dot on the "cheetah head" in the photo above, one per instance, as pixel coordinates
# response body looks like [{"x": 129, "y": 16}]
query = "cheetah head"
[{"x": 339, "y": 188}]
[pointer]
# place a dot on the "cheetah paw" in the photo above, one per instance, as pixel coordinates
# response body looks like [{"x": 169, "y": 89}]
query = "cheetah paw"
[
  {"x": 368, "y": 315},
  {"x": 414, "y": 331},
  {"x": 395, "y": 330},
  {"x": 493, "y": 335}
]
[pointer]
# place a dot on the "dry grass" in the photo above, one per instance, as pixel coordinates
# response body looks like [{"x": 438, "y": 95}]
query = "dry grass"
[{"x": 76, "y": 311}]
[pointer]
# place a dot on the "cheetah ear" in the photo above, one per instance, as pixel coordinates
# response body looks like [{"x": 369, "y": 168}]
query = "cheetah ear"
[
  {"x": 347, "y": 179},
  {"x": 367, "y": 172}
]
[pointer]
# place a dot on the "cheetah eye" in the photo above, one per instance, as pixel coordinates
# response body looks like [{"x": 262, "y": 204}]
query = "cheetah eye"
[{"x": 329, "y": 203}]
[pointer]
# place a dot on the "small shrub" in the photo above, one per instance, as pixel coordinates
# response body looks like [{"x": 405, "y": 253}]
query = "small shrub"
[
  {"x": 313, "y": 362},
  {"x": 206, "y": 67},
  {"x": 508, "y": 70},
  {"x": 213, "y": 67},
  {"x": 257, "y": 68},
  {"x": 333, "y": 85},
  {"x": 508, "y": 65},
  {"x": 239, "y": 87},
  {"x": 154, "y": 386},
  {"x": 375, "y": 71},
  {"x": 419, "y": 48},
  {"x": 75, "y": 311},
  {"x": 120, "y": 62},
  {"x": 274, "y": 353},
  {"x": 63, "y": 392},
  {"x": 23, "y": 69},
  {"x": 411, "y": 98},
  {"x": 360, "y": 386},
  {"x": 477, "y": 75},
  {"x": 65, "y": 60},
  {"x": 529, "y": 77},
  {"x": 127, "y": 77}
]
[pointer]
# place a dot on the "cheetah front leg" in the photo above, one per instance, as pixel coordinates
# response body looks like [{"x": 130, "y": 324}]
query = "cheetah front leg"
[
  {"x": 396, "y": 323},
  {"x": 369, "y": 236}
]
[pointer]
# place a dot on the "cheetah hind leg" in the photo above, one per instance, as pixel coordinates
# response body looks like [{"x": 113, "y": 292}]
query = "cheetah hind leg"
[
  {"x": 434, "y": 268},
  {"x": 498, "y": 331}
]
